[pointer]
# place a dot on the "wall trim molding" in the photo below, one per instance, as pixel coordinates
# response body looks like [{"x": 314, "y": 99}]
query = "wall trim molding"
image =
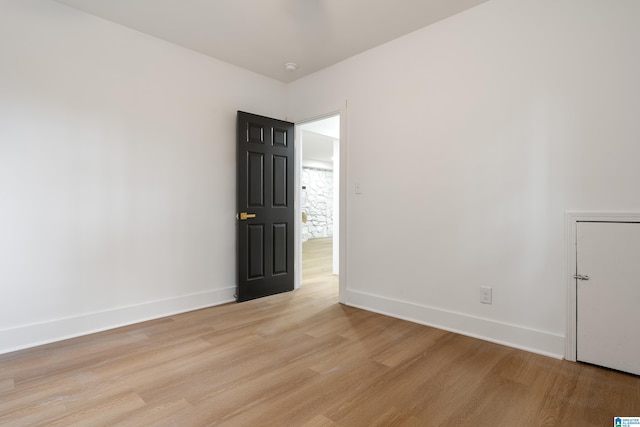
[
  {"x": 531, "y": 340},
  {"x": 26, "y": 336}
]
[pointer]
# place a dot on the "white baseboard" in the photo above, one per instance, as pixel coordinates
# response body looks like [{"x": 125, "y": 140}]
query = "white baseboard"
[
  {"x": 22, "y": 337},
  {"x": 531, "y": 340}
]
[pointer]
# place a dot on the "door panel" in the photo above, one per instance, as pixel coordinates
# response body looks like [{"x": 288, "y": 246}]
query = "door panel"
[
  {"x": 279, "y": 248},
  {"x": 256, "y": 251},
  {"x": 265, "y": 192},
  {"x": 280, "y": 137},
  {"x": 280, "y": 181},
  {"x": 608, "y": 325},
  {"x": 255, "y": 170}
]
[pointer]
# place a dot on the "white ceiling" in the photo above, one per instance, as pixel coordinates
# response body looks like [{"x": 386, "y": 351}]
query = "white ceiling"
[
  {"x": 329, "y": 126},
  {"x": 317, "y": 140},
  {"x": 263, "y": 35}
]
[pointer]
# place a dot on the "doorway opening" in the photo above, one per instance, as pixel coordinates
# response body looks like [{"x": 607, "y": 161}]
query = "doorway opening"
[{"x": 319, "y": 199}]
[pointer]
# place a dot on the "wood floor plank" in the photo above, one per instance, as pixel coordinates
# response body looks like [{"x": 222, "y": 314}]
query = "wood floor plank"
[
  {"x": 7, "y": 384},
  {"x": 103, "y": 411},
  {"x": 301, "y": 359},
  {"x": 319, "y": 421},
  {"x": 155, "y": 415},
  {"x": 31, "y": 412}
]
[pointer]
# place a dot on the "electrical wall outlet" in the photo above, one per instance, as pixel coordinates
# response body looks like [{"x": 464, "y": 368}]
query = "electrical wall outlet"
[{"x": 486, "y": 295}]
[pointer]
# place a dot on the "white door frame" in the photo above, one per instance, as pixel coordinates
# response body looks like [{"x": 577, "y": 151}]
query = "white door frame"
[
  {"x": 571, "y": 221},
  {"x": 342, "y": 219}
]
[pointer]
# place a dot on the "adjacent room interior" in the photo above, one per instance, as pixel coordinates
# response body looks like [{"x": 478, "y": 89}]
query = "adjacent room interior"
[{"x": 319, "y": 143}]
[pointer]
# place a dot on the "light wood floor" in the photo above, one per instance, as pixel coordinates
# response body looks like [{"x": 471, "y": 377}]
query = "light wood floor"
[
  {"x": 317, "y": 262},
  {"x": 301, "y": 359}
]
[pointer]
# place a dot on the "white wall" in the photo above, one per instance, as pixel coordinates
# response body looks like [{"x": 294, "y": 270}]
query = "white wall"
[
  {"x": 117, "y": 173},
  {"x": 471, "y": 138}
]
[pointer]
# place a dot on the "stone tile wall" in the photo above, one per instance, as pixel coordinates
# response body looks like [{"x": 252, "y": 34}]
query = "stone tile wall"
[{"x": 317, "y": 203}]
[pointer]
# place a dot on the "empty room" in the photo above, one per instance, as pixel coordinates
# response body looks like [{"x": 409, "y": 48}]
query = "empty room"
[{"x": 481, "y": 266}]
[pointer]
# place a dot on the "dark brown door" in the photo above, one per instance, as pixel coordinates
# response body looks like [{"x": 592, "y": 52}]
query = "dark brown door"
[{"x": 265, "y": 206}]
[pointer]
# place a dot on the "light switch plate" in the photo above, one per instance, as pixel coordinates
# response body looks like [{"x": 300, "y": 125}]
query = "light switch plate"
[{"x": 486, "y": 296}]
